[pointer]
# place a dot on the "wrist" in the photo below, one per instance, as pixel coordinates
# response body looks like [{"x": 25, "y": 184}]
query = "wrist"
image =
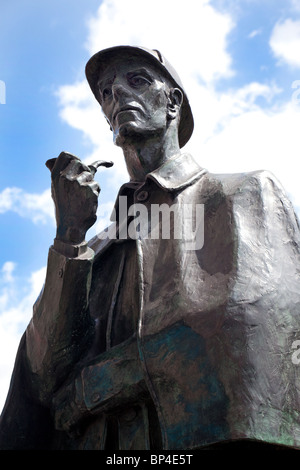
[
  {"x": 70, "y": 250},
  {"x": 70, "y": 234}
]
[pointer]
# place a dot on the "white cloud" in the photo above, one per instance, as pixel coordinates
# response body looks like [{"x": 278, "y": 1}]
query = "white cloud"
[
  {"x": 16, "y": 303},
  {"x": 7, "y": 270},
  {"x": 214, "y": 110},
  {"x": 36, "y": 207},
  {"x": 259, "y": 139},
  {"x": 192, "y": 35},
  {"x": 285, "y": 42}
]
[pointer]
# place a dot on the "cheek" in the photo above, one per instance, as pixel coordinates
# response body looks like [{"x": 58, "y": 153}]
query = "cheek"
[
  {"x": 156, "y": 97},
  {"x": 107, "y": 111},
  {"x": 156, "y": 105},
  {"x": 160, "y": 100}
]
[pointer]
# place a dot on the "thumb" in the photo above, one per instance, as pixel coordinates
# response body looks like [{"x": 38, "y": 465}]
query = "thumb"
[{"x": 50, "y": 163}]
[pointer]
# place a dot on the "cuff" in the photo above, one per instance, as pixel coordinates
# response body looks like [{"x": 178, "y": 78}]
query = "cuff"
[{"x": 69, "y": 250}]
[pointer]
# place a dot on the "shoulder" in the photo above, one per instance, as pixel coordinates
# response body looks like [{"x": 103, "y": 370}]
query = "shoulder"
[
  {"x": 259, "y": 187},
  {"x": 231, "y": 184},
  {"x": 257, "y": 194},
  {"x": 256, "y": 191}
]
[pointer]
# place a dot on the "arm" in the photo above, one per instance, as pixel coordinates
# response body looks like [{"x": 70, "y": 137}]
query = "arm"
[{"x": 61, "y": 328}]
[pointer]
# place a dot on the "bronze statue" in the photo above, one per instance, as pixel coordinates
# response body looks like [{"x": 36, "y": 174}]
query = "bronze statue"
[{"x": 153, "y": 342}]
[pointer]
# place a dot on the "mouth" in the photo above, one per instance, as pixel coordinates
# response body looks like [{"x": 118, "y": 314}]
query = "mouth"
[{"x": 124, "y": 109}]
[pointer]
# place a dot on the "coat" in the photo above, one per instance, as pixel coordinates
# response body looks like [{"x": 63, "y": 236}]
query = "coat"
[{"x": 168, "y": 343}]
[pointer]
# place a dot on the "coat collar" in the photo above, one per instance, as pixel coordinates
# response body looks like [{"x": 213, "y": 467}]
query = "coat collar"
[{"x": 177, "y": 173}]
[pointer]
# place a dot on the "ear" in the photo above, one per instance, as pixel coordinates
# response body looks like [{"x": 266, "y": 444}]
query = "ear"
[{"x": 175, "y": 99}]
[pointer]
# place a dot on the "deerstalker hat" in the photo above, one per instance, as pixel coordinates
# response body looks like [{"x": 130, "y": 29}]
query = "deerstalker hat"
[{"x": 100, "y": 60}]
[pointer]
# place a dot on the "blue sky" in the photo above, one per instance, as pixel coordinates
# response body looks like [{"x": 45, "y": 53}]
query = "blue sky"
[
  {"x": 41, "y": 48},
  {"x": 237, "y": 60}
]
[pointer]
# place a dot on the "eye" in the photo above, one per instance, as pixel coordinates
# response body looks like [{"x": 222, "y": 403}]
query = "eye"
[
  {"x": 137, "y": 81},
  {"x": 106, "y": 93}
]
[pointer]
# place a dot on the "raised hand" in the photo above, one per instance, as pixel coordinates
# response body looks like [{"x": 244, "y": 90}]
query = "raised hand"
[{"x": 75, "y": 195}]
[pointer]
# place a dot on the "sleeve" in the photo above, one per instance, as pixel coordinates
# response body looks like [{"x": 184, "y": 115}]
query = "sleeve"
[
  {"x": 61, "y": 328},
  {"x": 58, "y": 335}
]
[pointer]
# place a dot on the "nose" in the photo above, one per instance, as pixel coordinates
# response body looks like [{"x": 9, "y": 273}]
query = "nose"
[{"x": 120, "y": 89}]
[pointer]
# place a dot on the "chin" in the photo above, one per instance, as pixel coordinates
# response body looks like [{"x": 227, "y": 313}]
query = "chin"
[
  {"x": 127, "y": 133},
  {"x": 133, "y": 132}
]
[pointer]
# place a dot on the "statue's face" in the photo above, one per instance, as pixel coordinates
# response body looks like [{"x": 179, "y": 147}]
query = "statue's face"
[{"x": 134, "y": 99}]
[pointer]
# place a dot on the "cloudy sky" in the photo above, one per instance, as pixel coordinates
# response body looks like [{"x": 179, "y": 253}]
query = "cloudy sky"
[{"x": 239, "y": 61}]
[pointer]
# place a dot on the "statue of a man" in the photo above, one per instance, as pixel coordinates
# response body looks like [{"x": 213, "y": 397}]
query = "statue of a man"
[{"x": 160, "y": 342}]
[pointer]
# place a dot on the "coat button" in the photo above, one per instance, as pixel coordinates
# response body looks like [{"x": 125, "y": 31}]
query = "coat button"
[{"x": 142, "y": 196}]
